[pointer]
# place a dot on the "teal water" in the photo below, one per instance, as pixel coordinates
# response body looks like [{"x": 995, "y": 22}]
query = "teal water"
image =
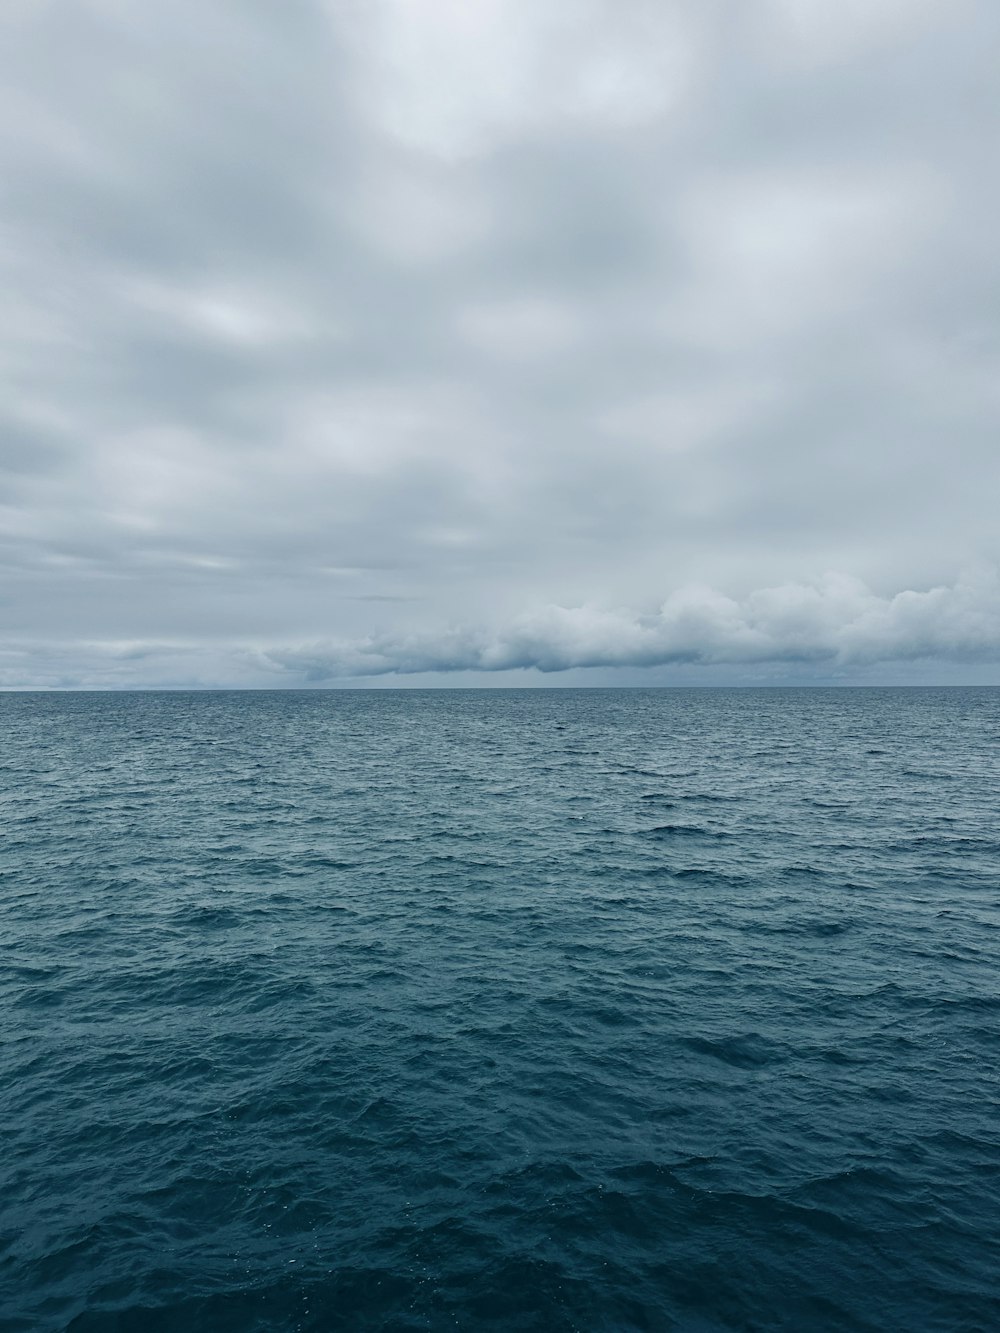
[{"x": 598, "y": 1010}]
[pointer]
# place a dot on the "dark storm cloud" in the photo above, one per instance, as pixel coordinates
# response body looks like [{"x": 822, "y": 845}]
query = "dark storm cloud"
[{"x": 476, "y": 337}]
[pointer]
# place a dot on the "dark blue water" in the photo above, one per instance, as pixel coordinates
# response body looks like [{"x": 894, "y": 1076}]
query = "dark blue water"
[{"x": 500, "y": 1010}]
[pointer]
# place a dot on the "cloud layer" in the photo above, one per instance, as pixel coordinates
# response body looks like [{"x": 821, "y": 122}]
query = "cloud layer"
[
  {"x": 435, "y": 335},
  {"x": 840, "y": 622},
  {"x": 837, "y": 625}
]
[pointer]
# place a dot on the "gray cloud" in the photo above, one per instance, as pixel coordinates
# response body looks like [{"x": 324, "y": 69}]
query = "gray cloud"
[
  {"x": 840, "y": 621},
  {"x": 340, "y": 324},
  {"x": 836, "y": 625}
]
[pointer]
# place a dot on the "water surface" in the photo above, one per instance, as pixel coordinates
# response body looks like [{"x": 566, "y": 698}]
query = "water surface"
[{"x": 582, "y": 1009}]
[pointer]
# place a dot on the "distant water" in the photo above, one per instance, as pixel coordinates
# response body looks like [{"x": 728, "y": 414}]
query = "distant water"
[{"x": 597, "y": 1010}]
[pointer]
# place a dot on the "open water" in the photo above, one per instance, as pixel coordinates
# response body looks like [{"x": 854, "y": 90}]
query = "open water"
[{"x": 582, "y": 1009}]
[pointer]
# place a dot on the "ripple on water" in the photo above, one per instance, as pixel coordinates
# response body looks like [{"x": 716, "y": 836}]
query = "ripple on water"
[{"x": 553, "y": 1010}]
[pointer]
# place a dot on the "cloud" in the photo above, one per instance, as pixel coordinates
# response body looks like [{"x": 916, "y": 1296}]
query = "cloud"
[
  {"x": 815, "y": 33},
  {"x": 840, "y": 621},
  {"x": 456, "y": 79},
  {"x": 343, "y": 323}
]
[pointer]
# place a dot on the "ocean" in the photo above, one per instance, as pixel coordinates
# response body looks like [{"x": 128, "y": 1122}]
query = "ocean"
[{"x": 500, "y": 1009}]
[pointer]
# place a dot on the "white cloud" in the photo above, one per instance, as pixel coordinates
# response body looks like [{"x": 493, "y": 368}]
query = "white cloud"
[
  {"x": 453, "y": 78},
  {"x": 839, "y": 621},
  {"x": 838, "y": 625}
]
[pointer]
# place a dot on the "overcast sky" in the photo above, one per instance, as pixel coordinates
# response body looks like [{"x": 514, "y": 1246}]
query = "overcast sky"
[{"x": 499, "y": 341}]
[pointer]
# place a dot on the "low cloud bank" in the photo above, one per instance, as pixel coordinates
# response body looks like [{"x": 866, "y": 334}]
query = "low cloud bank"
[
  {"x": 840, "y": 621},
  {"x": 793, "y": 632}
]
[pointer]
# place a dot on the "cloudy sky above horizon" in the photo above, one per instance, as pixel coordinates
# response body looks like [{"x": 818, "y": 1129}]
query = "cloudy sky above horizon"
[{"x": 499, "y": 342}]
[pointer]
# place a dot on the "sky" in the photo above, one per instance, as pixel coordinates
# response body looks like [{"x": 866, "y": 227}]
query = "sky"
[{"x": 499, "y": 342}]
